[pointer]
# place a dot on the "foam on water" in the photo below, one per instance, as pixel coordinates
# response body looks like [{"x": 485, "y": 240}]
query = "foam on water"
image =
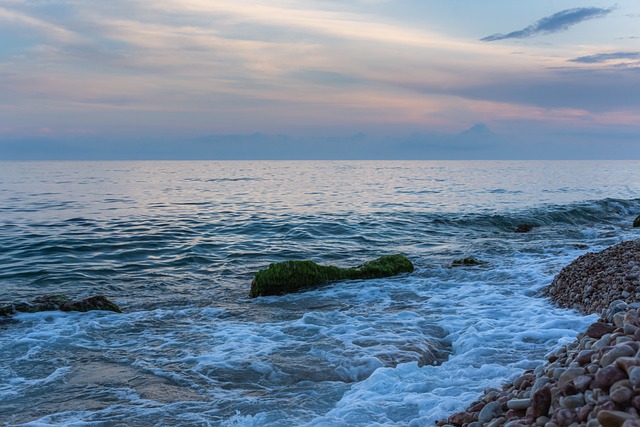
[
  {"x": 399, "y": 351},
  {"x": 176, "y": 247}
]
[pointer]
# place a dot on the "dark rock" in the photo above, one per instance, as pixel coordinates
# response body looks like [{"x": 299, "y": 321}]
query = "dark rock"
[
  {"x": 626, "y": 363},
  {"x": 569, "y": 375},
  {"x": 599, "y": 329},
  {"x": 584, "y": 357},
  {"x": 524, "y": 228},
  {"x": 613, "y": 418},
  {"x": 62, "y": 303},
  {"x": 513, "y": 414},
  {"x": 635, "y": 402},
  {"x": 519, "y": 404},
  {"x": 467, "y": 262},
  {"x": 291, "y": 276},
  {"x": 582, "y": 382},
  {"x": 523, "y": 381},
  {"x": 607, "y": 376},
  {"x": 564, "y": 417},
  {"x": 460, "y": 418},
  {"x": 541, "y": 402},
  {"x": 636, "y": 222},
  {"x": 477, "y": 407},
  {"x": 583, "y": 413},
  {"x": 621, "y": 395}
]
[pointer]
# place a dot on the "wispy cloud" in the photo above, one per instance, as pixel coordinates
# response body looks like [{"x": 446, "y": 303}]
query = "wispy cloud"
[
  {"x": 606, "y": 57},
  {"x": 557, "y": 22}
]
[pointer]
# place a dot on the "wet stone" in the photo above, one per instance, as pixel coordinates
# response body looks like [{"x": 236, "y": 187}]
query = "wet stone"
[
  {"x": 541, "y": 402},
  {"x": 634, "y": 376},
  {"x": 572, "y": 402},
  {"x": 584, "y": 357},
  {"x": 569, "y": 375},
  {"x": 599, "y": 329},
  {"x": 489, "y": 412},
  {"x": 582, "y": 382},
  {"x": 607, "y": 376},
  {"x": 613, "y": 418},
  {"x": 518, "y": 404},
  {"x": 460, "y": 418},
  {"x": 619, "y": 351},
  {"x": 565, "y": 417},
  {"x": 626, "y": 363},
  {"x": 621, "y": 395}
]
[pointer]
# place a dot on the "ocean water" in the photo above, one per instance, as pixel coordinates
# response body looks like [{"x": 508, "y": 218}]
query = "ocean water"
[{"x": 176, "y": 245}]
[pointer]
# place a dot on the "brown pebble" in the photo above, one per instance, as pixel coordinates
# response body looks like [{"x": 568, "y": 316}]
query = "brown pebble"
[
  {"x": 599, "y": 329},
  {"x": 621, "y": 395},
  {"x": 635, "y": 402},
  {"x": 583, "y": 413},
  {"x": 607, "y": 376},
  {"x": 584, "y": 357},
  {"x": 513, "y": 414},
  {"x": 616, "y": 352},
  {"x": 564, "y": 417},
  {"x": 613, "y": 418},
  {"x": 460, "y": 418},
  {"x": 582, "y": 382},
  {"x": 541, "y": 402},
  {"x": 625, "y": 363},
  {"x": 477, "y": 407}
]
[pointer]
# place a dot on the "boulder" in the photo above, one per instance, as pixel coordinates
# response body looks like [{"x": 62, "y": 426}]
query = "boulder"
[
  {"x": 291, "y": 276},
  {"x": 60, "y": 302},
  {"x": 467, "y": 262},
  {"x": 524, "y": 228},
  {"x": 636, "y": 222}
]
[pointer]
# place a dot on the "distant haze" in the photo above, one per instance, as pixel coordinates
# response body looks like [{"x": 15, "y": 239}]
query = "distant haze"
[{"x": 354, "y": 79}]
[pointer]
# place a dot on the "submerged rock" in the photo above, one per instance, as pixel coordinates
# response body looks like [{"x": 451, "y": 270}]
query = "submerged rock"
[
  {"x": 62, "y": 303},
  {"x": 466, "y": 262},
  {"x": 636, "y": 222},
  {"x": 524, "y": 228},
  {"x": 291, "y": 276}
]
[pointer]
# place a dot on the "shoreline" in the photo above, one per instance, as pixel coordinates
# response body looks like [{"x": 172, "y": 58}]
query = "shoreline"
[{"x": 593, "y": 381}]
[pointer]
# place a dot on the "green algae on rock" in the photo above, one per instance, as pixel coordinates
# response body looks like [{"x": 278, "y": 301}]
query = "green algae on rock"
[
  {"x": 62, "y": 303},
  {"x": 291, "y": 276}
]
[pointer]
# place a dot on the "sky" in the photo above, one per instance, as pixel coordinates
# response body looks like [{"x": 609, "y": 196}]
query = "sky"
[{"x": 348, "y": 79}]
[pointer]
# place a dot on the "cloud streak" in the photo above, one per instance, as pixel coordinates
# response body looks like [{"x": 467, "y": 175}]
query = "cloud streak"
[
  {"x": 606, "y": 57},
  {"x": 560, "y": 21}
]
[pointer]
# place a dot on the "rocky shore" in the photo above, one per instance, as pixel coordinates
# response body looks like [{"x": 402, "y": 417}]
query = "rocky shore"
[{"x": 594, "y": 381}]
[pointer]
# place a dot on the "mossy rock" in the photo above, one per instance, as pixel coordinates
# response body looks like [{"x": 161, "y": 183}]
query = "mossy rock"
[
  {"x": 467, "y": 262},
  {"x": 636, "y": 222},
  {"x": 291, "y": 276},
  {"x": 61, "y": 303}
]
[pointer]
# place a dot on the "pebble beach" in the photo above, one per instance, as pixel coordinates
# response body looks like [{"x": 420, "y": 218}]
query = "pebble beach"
[{"x": 593, "y": 381}]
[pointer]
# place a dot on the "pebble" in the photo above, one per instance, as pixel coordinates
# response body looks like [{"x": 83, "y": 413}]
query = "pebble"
[
  {"x": 518, "y": 404},
  {"x": 613, "y": 418},
  {"x": 607, "y": 376},
  {"x": 489, "y": 412},
  {"x": 619, "y": 351}
]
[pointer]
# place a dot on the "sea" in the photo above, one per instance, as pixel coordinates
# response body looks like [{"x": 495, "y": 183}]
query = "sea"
[{"x": 176, "y": 244}]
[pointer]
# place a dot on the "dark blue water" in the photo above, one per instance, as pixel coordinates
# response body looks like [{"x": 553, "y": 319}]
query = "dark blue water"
[{"x": 176, "y": 245}]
